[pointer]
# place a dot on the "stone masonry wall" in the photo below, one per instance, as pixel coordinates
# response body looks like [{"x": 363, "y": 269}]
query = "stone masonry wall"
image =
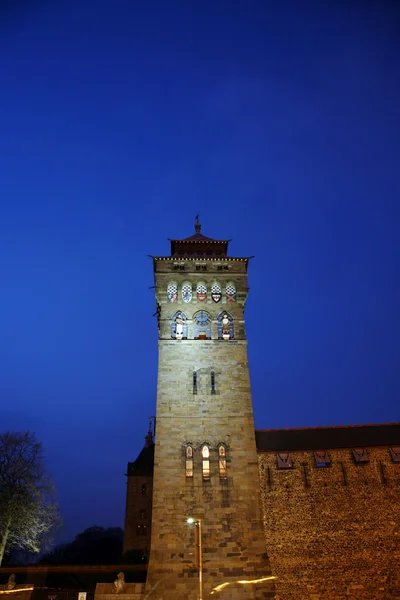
[
  {"x": 333, "y": 533},
  {"x": 233, "y": 541}
]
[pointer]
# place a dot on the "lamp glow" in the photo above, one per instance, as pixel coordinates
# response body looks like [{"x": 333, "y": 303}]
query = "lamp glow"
[{"x": 199, "y": 547}]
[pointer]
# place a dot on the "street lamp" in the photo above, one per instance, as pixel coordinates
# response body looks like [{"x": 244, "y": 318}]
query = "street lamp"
[{"x": 199, "y": 551}]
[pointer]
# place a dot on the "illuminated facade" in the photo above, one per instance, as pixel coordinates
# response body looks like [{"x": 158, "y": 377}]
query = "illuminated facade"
[
  {"x": 327, "y": 525},
  {"x": 206, "y": 464}
]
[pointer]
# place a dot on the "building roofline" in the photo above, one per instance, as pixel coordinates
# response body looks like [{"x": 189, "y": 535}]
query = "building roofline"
[
  {"x": 206, "y": 240},
  {"x": 200, "y": 257},
  {"x": 330, "y": 427},
  {"x": 317, "y": 438}
]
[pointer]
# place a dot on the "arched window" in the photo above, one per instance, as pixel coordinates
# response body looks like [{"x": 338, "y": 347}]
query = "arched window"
[
  {"x": 216, "y": 292},
  {"x": 189, "y": 461},
  {"x": 172, "y": 291},
  {"x": 187, "y": 293},
  {"x": 179, "y": 326},
  {"x": 205, "y": 455},
  {"x": 222, "y": 461},
  {"x": 225, "y": 326},
  {"x": 202, "y": 325},
  {"x": 230, "y": 292},
  {"x": 201, "y": 292}
]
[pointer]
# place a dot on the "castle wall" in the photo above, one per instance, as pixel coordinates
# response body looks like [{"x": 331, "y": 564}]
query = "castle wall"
[{"x": 333, "y": 533}]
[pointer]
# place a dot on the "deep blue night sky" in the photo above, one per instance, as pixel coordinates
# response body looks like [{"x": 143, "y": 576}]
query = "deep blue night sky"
[{"x": 278, "y": 122}]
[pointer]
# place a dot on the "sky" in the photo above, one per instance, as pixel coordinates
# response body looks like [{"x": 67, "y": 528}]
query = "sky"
[{"x": 120, "y": 120}]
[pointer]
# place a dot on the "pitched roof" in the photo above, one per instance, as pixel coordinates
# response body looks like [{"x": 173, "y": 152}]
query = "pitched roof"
[
  {"x": 144, "y": 464},
  {"x": 318, "y": 438},
  {"x": 198, "y": 244},
  {"x": 197, "y": 237}
]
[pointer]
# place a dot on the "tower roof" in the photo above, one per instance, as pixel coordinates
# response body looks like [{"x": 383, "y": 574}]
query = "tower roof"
[
  {"x": 199, "y": 244},
  {"x": 144, "y": 464}
]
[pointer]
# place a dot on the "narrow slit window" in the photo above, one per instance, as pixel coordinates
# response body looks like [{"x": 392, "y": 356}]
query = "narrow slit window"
[
  {"x": 212, "y": 382},
  {"x": 222, "y": 461},
  {"x": 194, "y": 382},
  {"x": 189, "y": 462},
  {"x": 205, "y": 453}
]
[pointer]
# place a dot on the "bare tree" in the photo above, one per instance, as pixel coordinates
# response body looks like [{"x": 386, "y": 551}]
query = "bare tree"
[{"x": 28, "y": 510}]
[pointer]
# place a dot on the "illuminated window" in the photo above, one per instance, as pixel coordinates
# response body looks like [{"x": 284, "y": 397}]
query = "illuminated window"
[
  {"x": 189, "y": 461},
  {"x": 222, "y": 461},
  {"x": 172, "y": 291},
  {"x": 230, "y": 292},
  {"x": 205, "y": 454}
]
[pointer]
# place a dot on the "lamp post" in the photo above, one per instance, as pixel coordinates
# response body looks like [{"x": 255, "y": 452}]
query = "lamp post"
[{"x": 199, "y": 551}]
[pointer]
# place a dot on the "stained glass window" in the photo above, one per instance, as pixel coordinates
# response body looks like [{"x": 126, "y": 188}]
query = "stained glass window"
[
  {"x": 222, "y": 461},
  {"x": 189, "y": 461},
  {"x": 205, "y": 453}
]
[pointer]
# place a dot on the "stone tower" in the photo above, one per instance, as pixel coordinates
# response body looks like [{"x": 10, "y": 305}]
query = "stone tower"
[{"x": 206, "y": 465}]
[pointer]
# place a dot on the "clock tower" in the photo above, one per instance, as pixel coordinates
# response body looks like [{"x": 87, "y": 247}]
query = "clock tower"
[{"x": 205, "y": 466}]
